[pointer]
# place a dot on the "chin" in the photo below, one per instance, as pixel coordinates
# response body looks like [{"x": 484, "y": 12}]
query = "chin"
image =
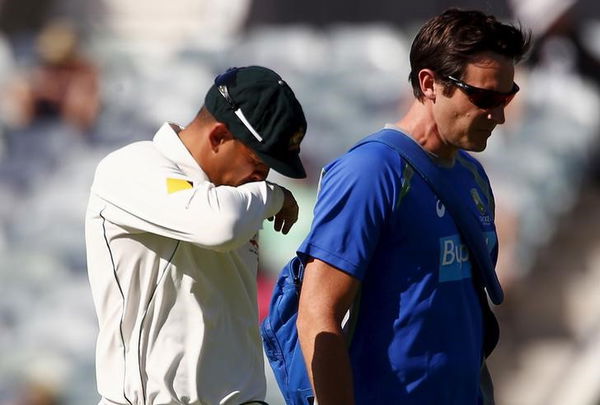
[
  {"x": 476, "y": 147},
  {"x": 479, "y": 143},
  {"x": 480, "y": 148}
]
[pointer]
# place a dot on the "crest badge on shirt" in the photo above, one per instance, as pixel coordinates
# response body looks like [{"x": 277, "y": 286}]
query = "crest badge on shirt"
[
  {"x": 484, "y": 217},
  {"x": 478, "y": 201}
]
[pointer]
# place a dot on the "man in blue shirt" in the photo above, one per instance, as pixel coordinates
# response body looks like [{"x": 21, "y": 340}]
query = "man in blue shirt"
[{"x": 382, "y": 243}]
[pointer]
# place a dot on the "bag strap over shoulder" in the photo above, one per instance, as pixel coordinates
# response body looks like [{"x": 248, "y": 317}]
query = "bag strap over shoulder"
[{"x": 466, "y": 222}]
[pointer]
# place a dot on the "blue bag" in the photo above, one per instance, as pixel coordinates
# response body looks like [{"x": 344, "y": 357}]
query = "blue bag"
[{"x": 280, "y": 337}]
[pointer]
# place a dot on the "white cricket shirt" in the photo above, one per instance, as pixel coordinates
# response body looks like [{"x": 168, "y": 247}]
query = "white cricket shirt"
[{"x": 172, "y": 263}]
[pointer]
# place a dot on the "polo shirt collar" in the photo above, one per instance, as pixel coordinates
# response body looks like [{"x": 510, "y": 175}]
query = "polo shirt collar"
[{"x": 168, "y": 143}]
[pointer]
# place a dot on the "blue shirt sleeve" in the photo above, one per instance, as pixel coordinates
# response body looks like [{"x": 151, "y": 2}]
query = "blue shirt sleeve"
[{"x": 358, "y": 193}]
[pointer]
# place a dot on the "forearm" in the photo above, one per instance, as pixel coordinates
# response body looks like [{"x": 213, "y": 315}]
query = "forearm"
[
  {"x": 220, "y": 218},
  {"x": 327, "y": 293},
  {"x": 327, "y": 361},
  {"x": 136, "y": 185}
]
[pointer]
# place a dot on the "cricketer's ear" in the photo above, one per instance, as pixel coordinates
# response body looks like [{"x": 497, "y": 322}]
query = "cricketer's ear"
[
  {"x": 218, "y": 135},
  {"x": 427, "y": 83}
]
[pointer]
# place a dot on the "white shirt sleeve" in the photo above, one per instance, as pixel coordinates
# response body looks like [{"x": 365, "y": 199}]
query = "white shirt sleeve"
[{"x": 131, "y": 191}]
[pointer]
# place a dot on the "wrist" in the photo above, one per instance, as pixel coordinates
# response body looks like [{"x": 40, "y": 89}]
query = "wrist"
[{"x": 275, "y": 198}]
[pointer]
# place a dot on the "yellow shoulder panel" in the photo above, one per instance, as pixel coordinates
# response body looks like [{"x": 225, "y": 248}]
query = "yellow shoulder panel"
[{"x": 174, "y": 185}]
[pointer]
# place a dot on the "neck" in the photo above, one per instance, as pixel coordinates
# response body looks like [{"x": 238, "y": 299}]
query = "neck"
[
  {"x": 420, "y": 124},
  {"x": 192, "y": 138}
]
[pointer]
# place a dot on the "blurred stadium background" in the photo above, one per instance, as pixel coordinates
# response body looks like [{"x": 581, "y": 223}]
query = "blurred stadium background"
[{"x": 79, "y": 78}]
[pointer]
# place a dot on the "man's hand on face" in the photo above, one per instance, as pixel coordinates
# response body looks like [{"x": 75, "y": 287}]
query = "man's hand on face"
[{"x": 287, "y": 215}]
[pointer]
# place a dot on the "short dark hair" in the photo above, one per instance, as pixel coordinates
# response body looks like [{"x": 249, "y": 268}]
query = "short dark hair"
[
  {"x": 204, "y": 115},
  {"x": 448, "y": 42}
]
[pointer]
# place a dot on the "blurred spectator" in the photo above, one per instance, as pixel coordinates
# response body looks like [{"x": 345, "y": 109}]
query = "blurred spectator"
[
  {"x": 559, "y": 42},
  {"x": 63, "y": 85},
  {"x": 22, "y": 16},
  {"x": 38, "y": 394}
]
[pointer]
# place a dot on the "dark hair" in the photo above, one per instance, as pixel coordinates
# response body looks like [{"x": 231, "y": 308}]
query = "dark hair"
[
  {"x": 448, "y": 42},
  {"x": 205, "y": 115}
]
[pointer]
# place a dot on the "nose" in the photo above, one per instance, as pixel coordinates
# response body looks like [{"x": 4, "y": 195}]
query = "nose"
[
  {"x": 260, "y": 172},
  {"x": 497, "y": 115}
]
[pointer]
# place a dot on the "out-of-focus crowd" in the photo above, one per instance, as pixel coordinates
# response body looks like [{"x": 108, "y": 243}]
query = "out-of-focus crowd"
[{"x": 69, "y": 96}]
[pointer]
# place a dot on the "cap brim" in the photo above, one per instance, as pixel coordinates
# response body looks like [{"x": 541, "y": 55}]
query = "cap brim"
[{"x": 291, "y": 167}]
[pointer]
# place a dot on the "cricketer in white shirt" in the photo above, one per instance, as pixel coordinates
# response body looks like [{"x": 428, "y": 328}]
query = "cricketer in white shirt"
[{"x": 172, "y": 263}]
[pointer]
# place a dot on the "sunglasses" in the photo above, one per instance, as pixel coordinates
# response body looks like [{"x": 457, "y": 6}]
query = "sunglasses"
[
  {"x": 222, "y": 81},
  {"x": 485, "y": 98}
]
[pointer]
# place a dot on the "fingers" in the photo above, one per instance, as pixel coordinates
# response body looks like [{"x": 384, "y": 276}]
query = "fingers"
[
  {"x": 284, "y": 223},
  {"x": 287, "y": 226},
  {"x": 278, "y": 223},
  {"x": 287, "y": 215}
]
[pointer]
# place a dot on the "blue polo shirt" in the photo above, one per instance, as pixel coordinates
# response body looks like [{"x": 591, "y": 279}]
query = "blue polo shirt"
[{"x": 419, "y": 332}]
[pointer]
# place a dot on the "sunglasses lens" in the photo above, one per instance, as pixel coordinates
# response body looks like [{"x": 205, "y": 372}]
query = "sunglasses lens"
[
  {"x": 486, "y": 101},
  {"x": 483, "y": 98},
  {"x": 491, "y": 100}
]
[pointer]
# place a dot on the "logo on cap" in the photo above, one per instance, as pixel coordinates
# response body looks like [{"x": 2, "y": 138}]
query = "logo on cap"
[{"x": 295, "y": 140}]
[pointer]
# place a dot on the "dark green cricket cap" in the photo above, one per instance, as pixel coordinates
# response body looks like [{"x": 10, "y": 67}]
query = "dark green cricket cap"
[{"x": 261, "y": 110}]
